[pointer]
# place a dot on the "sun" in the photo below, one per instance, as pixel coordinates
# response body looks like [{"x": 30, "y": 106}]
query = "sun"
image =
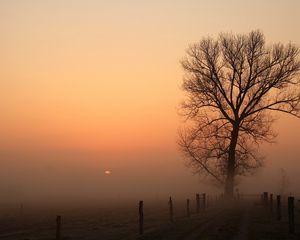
[{"x": 107, "y": 172}]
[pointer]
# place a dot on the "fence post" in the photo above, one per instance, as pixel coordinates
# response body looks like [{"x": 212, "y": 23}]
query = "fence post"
[
  {"x": 291, "y": 214},
  {"x": 197, "y": 202},
  {"x": 266, "y": 199},
  {"x": 278, "y": 208},
  {"x": 58, "y": 227},
  {"x": 188, "y": 208},
  {"x": 171, "y": 209},
  {"x": 141, "y": 217}
]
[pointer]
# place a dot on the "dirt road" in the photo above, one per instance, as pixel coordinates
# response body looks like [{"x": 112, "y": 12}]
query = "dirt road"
[{"x": 243, "y": 222}]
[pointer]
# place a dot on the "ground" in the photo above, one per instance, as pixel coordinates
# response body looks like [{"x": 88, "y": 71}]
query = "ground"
[{"x": 244, "y": 219}]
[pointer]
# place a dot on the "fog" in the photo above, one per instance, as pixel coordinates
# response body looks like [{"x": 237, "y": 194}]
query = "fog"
[
  {"x": 61, "y": 176},
  {"x": 87, "y": 88},
  {"x": 79, "y": 176}
]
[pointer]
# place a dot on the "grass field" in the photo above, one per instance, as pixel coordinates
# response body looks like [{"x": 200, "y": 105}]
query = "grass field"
[{"x": 244, "y": 219}]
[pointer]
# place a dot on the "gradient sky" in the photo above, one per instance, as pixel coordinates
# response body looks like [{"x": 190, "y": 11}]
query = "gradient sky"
[{"x": 87, "y": 86}]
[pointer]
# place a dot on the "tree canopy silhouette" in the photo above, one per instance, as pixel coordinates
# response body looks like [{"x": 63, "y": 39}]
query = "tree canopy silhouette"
[{"x": 232, "y": 85}]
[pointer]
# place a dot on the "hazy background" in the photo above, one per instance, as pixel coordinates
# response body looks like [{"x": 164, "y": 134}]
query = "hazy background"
[{"x": 88, "y": 86}]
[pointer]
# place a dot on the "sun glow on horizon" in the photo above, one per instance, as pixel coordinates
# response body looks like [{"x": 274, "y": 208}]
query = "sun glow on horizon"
[{"x": 91, "y": 89}]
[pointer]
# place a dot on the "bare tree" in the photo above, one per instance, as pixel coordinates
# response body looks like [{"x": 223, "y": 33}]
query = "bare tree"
[{"x": 232, "y": 85}]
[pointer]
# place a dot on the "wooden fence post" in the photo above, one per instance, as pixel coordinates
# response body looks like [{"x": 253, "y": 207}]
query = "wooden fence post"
[
  {"x": 141, "y": 217},
  {"x": 278, "y": 208},
  {"x": 197, "y": 202},
  {"x": 171, "y": 209},
  {"x": 188, "y": 208},
  {"x": 58, "y": 227},
  {"x": 291, "y": 214},
  {"x": 266, "y": 199}
]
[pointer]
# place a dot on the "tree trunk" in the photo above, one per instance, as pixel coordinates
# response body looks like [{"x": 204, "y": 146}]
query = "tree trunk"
[{"x": 229, "y": 184}]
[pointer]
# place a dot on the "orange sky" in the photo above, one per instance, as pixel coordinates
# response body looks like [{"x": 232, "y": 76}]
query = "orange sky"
[{"x": 103, "y": 78}]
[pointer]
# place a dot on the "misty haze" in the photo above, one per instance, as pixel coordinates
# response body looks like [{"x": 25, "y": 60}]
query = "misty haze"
[{"x": 149, "y": 120}]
